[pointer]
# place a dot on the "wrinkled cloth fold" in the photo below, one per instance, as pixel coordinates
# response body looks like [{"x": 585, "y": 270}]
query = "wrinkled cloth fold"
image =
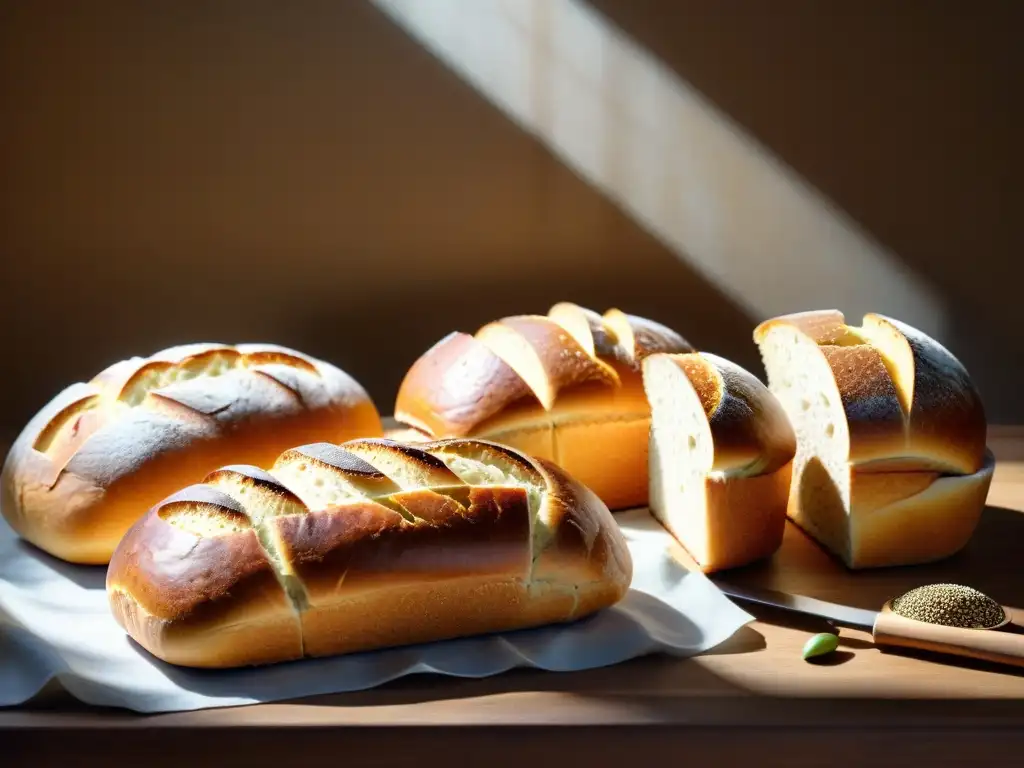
[{"x": 55, "y": 624}]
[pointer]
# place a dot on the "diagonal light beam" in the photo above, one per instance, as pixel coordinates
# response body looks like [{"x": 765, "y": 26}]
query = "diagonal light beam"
[{"x": 680, "y": 167}]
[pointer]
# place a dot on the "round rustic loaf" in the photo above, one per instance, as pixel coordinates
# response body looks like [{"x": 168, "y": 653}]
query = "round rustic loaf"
[{"x": 101, "y": 452}]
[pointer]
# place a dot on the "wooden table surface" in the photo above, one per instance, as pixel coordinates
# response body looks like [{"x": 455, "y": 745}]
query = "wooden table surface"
[{"x": 752, "y": 698}]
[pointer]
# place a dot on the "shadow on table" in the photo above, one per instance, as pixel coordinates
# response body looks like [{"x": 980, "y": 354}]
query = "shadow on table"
[
  {"x": 91, "y": 577},
  {"x": 989, "y": 562},
  {"x": 543, "y": 646}
]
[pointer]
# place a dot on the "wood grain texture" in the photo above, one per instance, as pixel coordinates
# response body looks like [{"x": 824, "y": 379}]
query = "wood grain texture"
[
  {"x": 999, "y": 647},
  {"x": 779, "y": 708}
]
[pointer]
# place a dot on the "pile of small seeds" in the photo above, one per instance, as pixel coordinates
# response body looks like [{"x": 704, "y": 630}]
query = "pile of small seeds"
[{"x": 952, "y": 605}]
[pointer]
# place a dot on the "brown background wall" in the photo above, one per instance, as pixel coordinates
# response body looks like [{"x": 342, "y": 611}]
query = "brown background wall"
[{"x": 305, "y": 173}]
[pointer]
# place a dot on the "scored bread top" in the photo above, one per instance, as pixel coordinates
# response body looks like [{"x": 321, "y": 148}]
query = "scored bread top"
[
  {"x": 327, "y": 522},
  {"x": 908, "y": 402},
  {"x": 201, "y": 385},
  {"x": 526, "y": 361},
  {"x": 139, "y": 416},
  {"x": 748, "y": 431}
]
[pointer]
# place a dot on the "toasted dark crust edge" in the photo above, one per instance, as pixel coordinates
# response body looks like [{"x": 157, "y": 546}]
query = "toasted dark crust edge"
[
  {"x": 431, "y": 400},
  {"x": 946, "y": 427},
  {"x": 749, "y": 427}
]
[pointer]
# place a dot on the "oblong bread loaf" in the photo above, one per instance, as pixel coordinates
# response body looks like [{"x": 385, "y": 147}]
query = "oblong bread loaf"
[
  {"x": 100, "y": 452},
  {"x": 366, "y": 545},
  {"x": 565, "y": 387}
]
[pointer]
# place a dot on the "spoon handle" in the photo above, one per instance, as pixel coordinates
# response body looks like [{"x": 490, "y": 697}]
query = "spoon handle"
[{"x": 993, "y": 645}]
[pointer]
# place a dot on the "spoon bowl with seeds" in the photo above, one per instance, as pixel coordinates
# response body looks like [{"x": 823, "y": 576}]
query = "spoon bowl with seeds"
[
  {"x": 951, "y": 619},
  {"x": 949, "y": 605}
]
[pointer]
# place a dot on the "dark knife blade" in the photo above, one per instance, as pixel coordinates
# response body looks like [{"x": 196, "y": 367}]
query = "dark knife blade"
[{"x": 840, "y": 615}]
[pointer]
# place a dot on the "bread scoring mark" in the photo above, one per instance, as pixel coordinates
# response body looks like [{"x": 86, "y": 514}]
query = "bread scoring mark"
[
  {"x": 324, "y": 475},
  {"x": 262, "y": 497},
  {"x": 406, "y": 465},
  {"x": 70, "y": 414},
  {"x": 277, "y": 357},
  {"x": 154, "y": 374},
  {"x": 398, "y": 448},
  {"x": 237, "y": 479},
  {"x": 586, "y": 326},
  {"x": 544, "y": 355},
  {"x": 158, "y": 374},
  {"x": 476, "y": 462},
  {"x": 333, "y": 456},
  {"x": 204, "y": 512}
]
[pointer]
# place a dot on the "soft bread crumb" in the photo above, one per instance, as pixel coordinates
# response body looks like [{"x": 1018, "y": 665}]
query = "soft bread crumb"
[
  {"x": 802, "y": 380},
  {"x": 204, "y": 520},
  {"x": 681, "y": 453},
  {"x": 719, "y": 458}
]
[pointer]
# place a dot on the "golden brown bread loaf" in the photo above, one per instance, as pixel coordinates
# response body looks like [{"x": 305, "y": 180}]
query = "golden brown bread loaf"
[
  {"x": 891, "y": 465},
  {"x": 720, "y": 458},
  {"x": 565, "y": 387},
  {"x": 101, "y": 452},
  {"x": 364, "y": 546}
]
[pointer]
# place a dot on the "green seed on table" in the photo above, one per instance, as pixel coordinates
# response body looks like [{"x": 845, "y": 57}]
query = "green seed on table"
[{"x": 821, "y": 644}]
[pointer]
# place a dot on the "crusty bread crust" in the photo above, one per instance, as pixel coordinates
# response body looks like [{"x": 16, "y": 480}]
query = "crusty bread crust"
[
  {"x": 77, "y": 476},
  {"x": 895, "y": 518},
  {"x": 565, "y": 387},
  {"x": 910, "y": 404},
  {"x": 751, "y": 431},
  {"x": 891, "y": 467},
  {"x": 333, "y": 552}
]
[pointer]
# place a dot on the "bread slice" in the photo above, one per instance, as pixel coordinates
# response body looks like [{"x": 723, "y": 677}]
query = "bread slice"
[
  {"x": 638, "y": 337},
  {"x": 891, "y": 466},
  {"x": 720, "y": 458}
]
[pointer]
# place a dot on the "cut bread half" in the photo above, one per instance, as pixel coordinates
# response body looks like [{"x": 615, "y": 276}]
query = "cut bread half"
[
  {"x": 883, "y": 519},
  {"x": 889, "y": 426},
  {"x": 720, "y": 458}
]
